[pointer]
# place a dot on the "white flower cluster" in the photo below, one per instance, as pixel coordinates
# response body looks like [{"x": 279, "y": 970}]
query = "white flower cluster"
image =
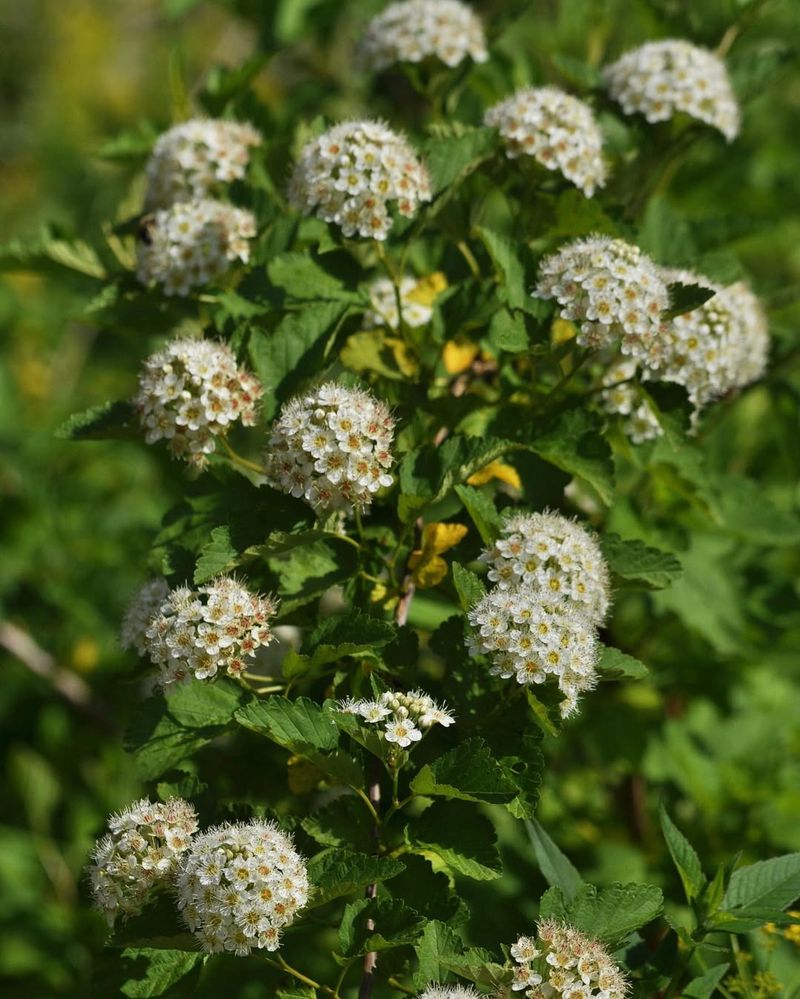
[
  {"x": 192, "y": 243},
  {"x": 332, "y": 446},
  {"x": 404, "y": 718},
  {"x": 612, "y": 291},
  {"x": 557, "y": 129},
  {"x": 529, "y": 635},
  {"x": 554, "y": 554},
  {"x": 384, "y": 304},
  {"x": 449, "y": 992},
  {"x": 351, "y": 175},
  {"x": 140, "y": 852},
  {"x": 717, "y": 347},
  {"x": 197, "y": 633},
  {"x": 561, "y": 961},
  {"x": 141, "y": 610},
  {"x": 624, "y": 398},
  {"x": 193, "y": 158},
  {"x": 239, "y": 885},
  {"x": 190, "y": 393},
  {"x": 661, "y": 78},
  {"x": 414, "y": 30}
]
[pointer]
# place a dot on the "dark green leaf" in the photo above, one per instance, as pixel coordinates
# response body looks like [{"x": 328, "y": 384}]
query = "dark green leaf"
[
  {"x": 335, "y": 873},
  {"x": 557, "y": 869},
  {"x": 769, "y": 884},
  {"x": 616, "y": 665},
  {"x": 451, "y": 158},
  {"x": 216, "y": 557},
  {"x": 478, "y": 504},
  {"x": 468, "y": 772},
  {"x": 437, "y": 944},
  {"x": 468, "y": 586},
  {"x": 164, "y": 969},
  {"x": 684, "y": 857},
  {"x": 462, "y": 838},
  {"x": 575, "y": 445},
  {"x": 302, "y": 277},
  {"x": 108, "y": 421},
  {"x": 631, "y": 559},
  {"x": 393, "y": 925},
  {"x": 704, "y": 987},
  {"x": 507, "y": 265}
]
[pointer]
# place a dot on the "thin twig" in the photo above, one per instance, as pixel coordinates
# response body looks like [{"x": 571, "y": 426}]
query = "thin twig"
[{"x": 371, "y": 958}]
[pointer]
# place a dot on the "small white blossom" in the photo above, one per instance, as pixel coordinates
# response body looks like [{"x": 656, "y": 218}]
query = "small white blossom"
[
  {"x": 531, "y": 637},
  {"x": 557, "y": 129},
  {"x": 239, "y": 885},
  {"x": 403, "y": 717},
  {"x": 192, "y": 243},
  {"x": 449, "y": 992},
  {"x": 141, "y": 610},
  {"x": 612, "y": 290},
  {"x": 561, "y": 961},
  {"x": 414, "y": 30},
  {"x": 353, "y": 173},
  {"x": 624, "y": 398},
  {"x": 217, "y": 627},
  {"x": 384, "y": 304},
  {"x": 139, "y": 854},
  {"x": 332, "y": 447},
  {"x": 554, "y": 554},
  {"x": 190, "y": 393},
  {"x": 662, "y": 78},
  {"x": 194, "y": 158}
]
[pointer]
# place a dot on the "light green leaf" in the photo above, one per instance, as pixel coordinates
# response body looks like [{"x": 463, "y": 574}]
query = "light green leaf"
[
  {"x": 296, "y": 725},
  {"x": 302, "y": 277},
  {"x": 768, "y": 884},
  {"x": 468, "y": 586},
  {"x": 393, "y": 924},
  {"x": 479, "y": 505},
  {"x": 508, "y": 267},
  {"x": 616, "y": 665},
  {"x": 216, "y": 557},
  {"x": 684, "y": 857},
  {"x": 437, "y": 944},
  {"x": 704, "y": 986},
  {"x": 451, "y": 158},
  {"x": 507, "y": 332},
  {"x": 557, "y": 869},
  {"x": 165, "y": 968}
]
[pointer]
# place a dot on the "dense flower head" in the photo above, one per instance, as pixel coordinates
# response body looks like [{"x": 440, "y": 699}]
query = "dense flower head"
[
  {"x": 662, "y": 78},
  {"x": 190, "y": 393},
  {"x": 531, "y": 636},
  {"x": 332, "y": 447},
  {"x": 140, "y": 852},
  {"x": 193, "y": 158},
  {"x": 609, "y": 288},
  {"x": 403, "y": 718},
  {"x": 141, "y": 610},
  {"x": 555, "y": 554},
  {"x": 557, "y": 129},
  {"x": 560, "y": 961},
  {"x": 624, "y": 398},
  {"x": 717, "y": 347},
  {"x": 416, "y": 311},
  {"x": 197, "y": 633},
  {"x": 413, "y": 30},
  {"x": 192, "y": 243},
  {"x": 354, "y": 172},
  {"x": 449, "y": 992},
  {"x": 239, "y": 885}
]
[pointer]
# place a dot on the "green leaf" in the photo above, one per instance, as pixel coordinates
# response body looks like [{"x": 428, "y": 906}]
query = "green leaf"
[
  {"x": 51, "y": 250},
  {"x": 306, "y": 572},
  {"x": 610, "y": 915},
  {"x": 351, "y": 634},
  {"x": 134, "y": 144},
  {"x": 557, "y": 869},
  {"x": 575, "y": 445},
  {"x": 108, "y": 421},
  {"x": 616, "y": 665},
  {"x": 704, "y": 986},
  {"x": 479, "y": 505},
  {"x": 666, "y": 235},
  {"x": 345, "y": 822},
  {"x": 335, "y": 873},
  {"x": 580, "y": 74},
  {"x": 393, "y": 924},
  {"x": 451, "y": 158},
  {"x": 507, "y": 332},
  {"x": 768, "y": 884},
  {"x": 159, "y": 741},
  {"x": 507, "y": 265},
  {"x": 197, "y": 705},
  {"x": 217, "y": 556},
  {"x": 164, "y": 969},
  {"x": 631, "y": 559},
  {"x": 684, "y": 856},
  {"x": 438, "y": 944},
  {"x": 685, "y": 298},
  {"x": 469, "y": 773},
  {"x": 468, "y": 586},
  {"x": 296, "y": 725},
  {"x": 302, "y": 277},
  {"x": 463, "y": 839}
]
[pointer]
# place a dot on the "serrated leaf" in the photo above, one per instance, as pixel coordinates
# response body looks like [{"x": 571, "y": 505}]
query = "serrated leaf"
[
  {"x": 768, "y": 884},
  {"x": 335, "y": 873},
  {"x": 482, "y": 510},
  {"x": 632, "y": 559},
  {"x": 345, "y": 823},
  {"x": 302, "y": 277},
  {"x": 469, "y": 773},
  {"x": 197, "y": 705},
  {"x": 216, "y": 557},
  {"x": 164, "y": 969},
  {"x": 393, "y": 924},
  {"x": 468, "y": 586},
  {"x": 452, "y": 158},
  {"x": 348, "y": 634},
  {"x": 574, "y": 444},
  {"x": 159, "y": 741},
  {"x": 51, "y": 249},
  {"x": 704, "y": 986},
  {"x": 296, "y": 725},
  {"x": 577, "y": 72},
  {"x": 463, "y": 839},
  {"x": 610, "y": 915},
  {"x": 685, "y": 298},
  {"x": 507, "y": 332},
  {"x": 436, "y": 945},
  {"x": 684, "y": 857},
  {"x": 108, "y": 421},
  {"x": 558, "y": 870},
  {"x": 507, "y": 265},
  {"x": 616, "y": 665}
]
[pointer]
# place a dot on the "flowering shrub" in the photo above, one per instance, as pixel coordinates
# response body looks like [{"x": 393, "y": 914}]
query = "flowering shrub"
[{"x": 478, "y": 381}]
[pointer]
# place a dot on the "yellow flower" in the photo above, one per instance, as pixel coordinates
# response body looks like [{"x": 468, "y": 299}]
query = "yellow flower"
[
  {"x": 457, "y": 356},
  {"x": 428, "y": 288},
  {"x": 427, "y": 566},
  {"x": 561, "y": 331},
  {"x": 496, "y": 470}
]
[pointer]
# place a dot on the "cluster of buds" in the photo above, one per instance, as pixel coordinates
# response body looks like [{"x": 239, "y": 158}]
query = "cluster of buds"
[
  {"x": 192, "y": 159},
  {"x": 239, "y": 885},
  {"x": 557, "y": 130},
  {"x": 561, "y": 961},
  {"x": 192, "y": 244},
  {"x": 190, "y": 393},
  {"x": 140, "y": 853},
  {"x": 662, "y": 78},
  {"x": 144, "y": 606},
  {"x": 403, "y": 718},
  {"x": 332, "y": 447},
  {"x": 612, "y": 290},
  {"x": 353, "y": 173},
  {"x": 197, "y": 633},
  {"x": 414, "y": 30}
]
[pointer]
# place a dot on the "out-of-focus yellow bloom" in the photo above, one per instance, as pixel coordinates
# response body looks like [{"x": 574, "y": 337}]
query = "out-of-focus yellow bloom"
[
  {"x": 85, "y": 654},
  {"x": 427, "y": 289},
  {"x": 427, "y": 566},
  {"x": 561, "y": 331},
  {"x": 496, "y": 470},
  {"x": 457, "y": 356}
]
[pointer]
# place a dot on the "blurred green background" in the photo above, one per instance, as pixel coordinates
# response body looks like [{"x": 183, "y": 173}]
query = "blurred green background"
[{"x": 716, "y": 733}]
